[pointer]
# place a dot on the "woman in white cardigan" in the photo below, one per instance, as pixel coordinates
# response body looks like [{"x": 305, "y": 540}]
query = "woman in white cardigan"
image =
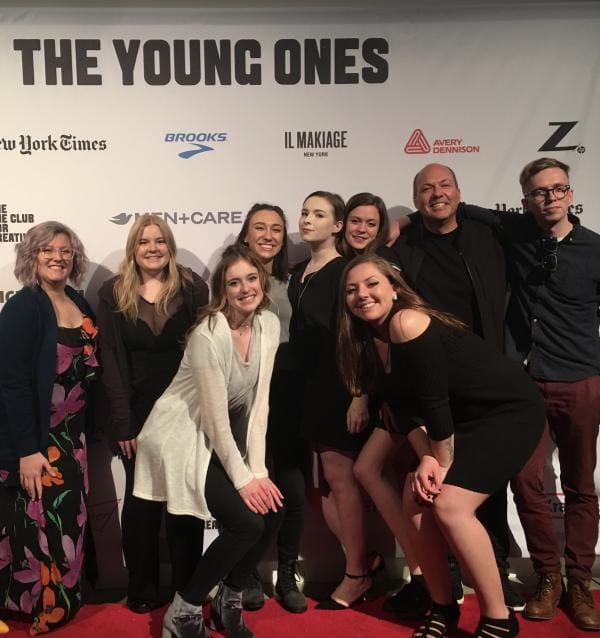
[{"x": 202, "y": 449}]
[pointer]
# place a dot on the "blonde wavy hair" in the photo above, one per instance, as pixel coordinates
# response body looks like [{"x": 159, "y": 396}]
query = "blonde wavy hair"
[{"x": 129, "y": 279}]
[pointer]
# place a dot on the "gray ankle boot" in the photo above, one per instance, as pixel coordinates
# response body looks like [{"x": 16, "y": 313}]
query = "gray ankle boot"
[
  {"x": 183, "y": 620},
  {"x": 226, "y": 613}
]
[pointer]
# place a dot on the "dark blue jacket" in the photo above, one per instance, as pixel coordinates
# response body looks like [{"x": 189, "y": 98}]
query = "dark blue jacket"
[{"x": 28, "y": 338}]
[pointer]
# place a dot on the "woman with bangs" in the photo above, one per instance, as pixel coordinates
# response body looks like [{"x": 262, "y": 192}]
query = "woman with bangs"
[
  {"x": 47, "y": 361},
  {"x": 202, "y": 449},
  {"x": 144, "y": 313}
]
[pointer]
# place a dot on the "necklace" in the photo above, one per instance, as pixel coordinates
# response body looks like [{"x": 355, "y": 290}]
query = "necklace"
[{"x": 241, "y": 329}]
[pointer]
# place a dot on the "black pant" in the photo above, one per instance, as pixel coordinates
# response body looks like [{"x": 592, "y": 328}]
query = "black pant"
[
  {"x": 242, "y": 539},
  {"x": 140, "y": 527},
  {"x": 288, "y": 455}
]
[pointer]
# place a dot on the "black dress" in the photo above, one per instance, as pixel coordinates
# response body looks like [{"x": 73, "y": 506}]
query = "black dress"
[
  {"x": 323, "y": 400},
  {"x": 460, "y": 384}
]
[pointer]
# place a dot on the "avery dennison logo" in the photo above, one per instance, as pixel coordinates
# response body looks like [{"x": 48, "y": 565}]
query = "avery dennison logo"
[{"x": 418, "y": 144}]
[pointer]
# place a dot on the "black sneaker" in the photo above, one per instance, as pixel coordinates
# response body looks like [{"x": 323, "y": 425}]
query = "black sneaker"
[
  {"x": 456, "y": 577},
  {"x": 512, "y": 598},
  {"x": 253, "y": 596},
  {"x": 290, "y": 596},
  {"x": 412, "y": 602}
]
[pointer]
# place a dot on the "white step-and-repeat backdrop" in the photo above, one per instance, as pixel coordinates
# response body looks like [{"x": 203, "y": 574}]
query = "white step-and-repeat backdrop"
[{"x": 194, "y": 115}]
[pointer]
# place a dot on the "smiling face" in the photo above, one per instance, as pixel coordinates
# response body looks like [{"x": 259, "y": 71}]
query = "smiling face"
[
  {"x": 152, "y": 253},
  {"x": 55, "y": 262},
  {"x": 436, "y": 197},
  {"x": 369, "y": 293},
  {"x": 317, "y": 221},
  {"x": 265, "y": 236},
  {"x": 548, "y": 210},
  {"x": 243, "y": 290},
  {"x": 362, "y": 226}
]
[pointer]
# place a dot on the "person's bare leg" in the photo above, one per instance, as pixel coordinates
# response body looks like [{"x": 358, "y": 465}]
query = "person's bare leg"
[
  {"x": 454, "y": 509},
  {"x": 338, "y": 470},
  {"x": 429, "y": 546},
  {"x": 330, "y": 514},
  {"x": 370, "y": 472}
]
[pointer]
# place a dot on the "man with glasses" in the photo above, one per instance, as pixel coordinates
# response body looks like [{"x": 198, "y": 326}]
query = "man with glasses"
[{"x": 553, "y": 324}]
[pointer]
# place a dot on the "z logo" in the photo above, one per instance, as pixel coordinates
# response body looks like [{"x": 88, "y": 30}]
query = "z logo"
[{"x": 552, "y": 143}]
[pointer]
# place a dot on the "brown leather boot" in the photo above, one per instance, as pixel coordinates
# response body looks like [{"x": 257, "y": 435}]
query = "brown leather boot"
[
  {"x": 542, "y": 605},
  {"x": 580, "y": 605}
]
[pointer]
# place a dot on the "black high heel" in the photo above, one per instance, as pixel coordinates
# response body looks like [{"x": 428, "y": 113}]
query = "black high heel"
[
  {"x": 442, "y": 620},
  {"x": 333, "y": 605},
  {"x": 498, "y": 627},
  {"x": 375, "y": 562}
]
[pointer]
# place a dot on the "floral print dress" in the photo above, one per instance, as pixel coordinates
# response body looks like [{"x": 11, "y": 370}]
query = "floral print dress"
[{"x": 41, "y": 542}]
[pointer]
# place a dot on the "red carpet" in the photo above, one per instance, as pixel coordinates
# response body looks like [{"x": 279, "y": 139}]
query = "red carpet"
[{"x": 365, "y": 621}]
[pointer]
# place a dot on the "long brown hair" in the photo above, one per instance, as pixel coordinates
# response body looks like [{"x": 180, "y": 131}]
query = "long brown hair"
[
  {"x": 364, "y": 199},
  {"x": 218, "y": 283},
  {"x": 358, "y": 362}
]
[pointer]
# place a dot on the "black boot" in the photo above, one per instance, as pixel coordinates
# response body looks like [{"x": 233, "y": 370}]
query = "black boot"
[
  {"x": 226, "y": 613},
  {"x": 290, "y": 596},
  {"x": 183, "y": 620},
  {"x": 253, "y": 596}
]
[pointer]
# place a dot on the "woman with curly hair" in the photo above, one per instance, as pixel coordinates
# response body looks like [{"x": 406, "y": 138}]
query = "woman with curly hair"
[
  {"x": 47, "y": 361},
  {"x": 144, "y": 314}
]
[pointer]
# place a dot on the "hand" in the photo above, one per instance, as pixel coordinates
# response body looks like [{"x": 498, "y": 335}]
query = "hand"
[
  {"x": 396, "y": 228},
  {"x": 128, "y": 448},
  {"x": 261, "y": 495},
  {"x": 427, "y": 479},
  {"x": 31, "y": 468},
  {"x": 357, "y": 416}
]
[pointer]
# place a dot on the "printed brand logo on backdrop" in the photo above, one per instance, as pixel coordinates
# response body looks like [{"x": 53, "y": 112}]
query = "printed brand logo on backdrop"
[
  {"x": 5, "y": 295},
  {"x": 7, "y": 222},
  {"x": 562, "y": 130},
  {"x": 315, "y": 143},
  {"x": 196, "y": 217},
  {"x": 28, "y": 144},
  {"x": 418, "y": 144},
  {"x": 503, "y": 207},
  {"x": 197, "y": 140}
]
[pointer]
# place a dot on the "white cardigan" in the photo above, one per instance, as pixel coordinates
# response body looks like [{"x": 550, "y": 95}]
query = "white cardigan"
[{"x": 190, "y": 421}]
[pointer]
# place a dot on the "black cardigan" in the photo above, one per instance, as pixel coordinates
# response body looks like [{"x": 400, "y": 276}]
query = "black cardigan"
[
  {"x": 115, "y": 366},
  {"x": 28, "y": 338}
]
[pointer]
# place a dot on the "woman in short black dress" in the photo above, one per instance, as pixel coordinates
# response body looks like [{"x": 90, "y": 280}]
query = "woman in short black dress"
[
  {"x": 483, "y": 417},
  {"x": 333, "y": 421}
]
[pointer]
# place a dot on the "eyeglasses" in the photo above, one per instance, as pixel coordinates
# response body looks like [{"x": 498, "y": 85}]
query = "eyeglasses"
[
  {"x": 541, "y": 194},
  {"x": 549, "y": 257},
  {"x": 47, "y": 252}
]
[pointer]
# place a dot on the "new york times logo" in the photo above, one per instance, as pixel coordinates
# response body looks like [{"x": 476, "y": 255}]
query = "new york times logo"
[
  {"x": 199, "y": 142},
  {"x": 196, "y": 217}
]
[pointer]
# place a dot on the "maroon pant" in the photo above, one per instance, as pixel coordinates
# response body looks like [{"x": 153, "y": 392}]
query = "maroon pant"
[{"x": 573, "y": 412}]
